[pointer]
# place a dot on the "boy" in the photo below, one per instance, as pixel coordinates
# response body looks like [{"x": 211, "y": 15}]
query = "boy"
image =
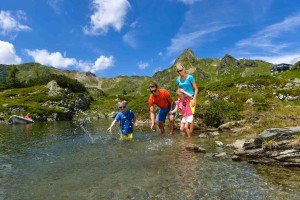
[
  {"x": 183, "y": 104},
  {"x": 127, "y": 119}
]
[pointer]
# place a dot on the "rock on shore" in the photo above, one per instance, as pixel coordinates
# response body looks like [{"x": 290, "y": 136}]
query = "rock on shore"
[{"x": 275, "y": 146}]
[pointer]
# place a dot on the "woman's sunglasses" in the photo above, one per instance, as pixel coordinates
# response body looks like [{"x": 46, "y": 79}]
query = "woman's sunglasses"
[
  {"x": 178, "y": 71},
  {"x": 122, "y": 107}
]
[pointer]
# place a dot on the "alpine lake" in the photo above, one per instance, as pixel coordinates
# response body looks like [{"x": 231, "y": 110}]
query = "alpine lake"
[{"x": 81, "y": 160}]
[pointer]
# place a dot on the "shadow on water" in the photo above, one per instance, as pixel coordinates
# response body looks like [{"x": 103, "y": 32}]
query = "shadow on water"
[{"x": 81, "y": 160}]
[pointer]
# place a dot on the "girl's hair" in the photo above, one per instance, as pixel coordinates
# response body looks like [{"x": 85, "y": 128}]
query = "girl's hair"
[{"x": 178, "y": 92}]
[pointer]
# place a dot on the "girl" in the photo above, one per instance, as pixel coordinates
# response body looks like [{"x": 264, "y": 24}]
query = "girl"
[{"x": 183, "y": 104}]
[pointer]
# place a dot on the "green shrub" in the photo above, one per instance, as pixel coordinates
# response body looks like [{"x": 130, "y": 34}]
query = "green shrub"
[
  {"x": 220, "y": 111},
  {"x": 261, "y": 104}
]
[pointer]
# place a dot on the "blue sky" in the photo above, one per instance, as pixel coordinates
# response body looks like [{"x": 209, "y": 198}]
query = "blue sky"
[{"x": 140, "y": 37}]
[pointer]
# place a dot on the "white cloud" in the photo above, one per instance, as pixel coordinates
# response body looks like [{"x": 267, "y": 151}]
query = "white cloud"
[
  {"x": 190, "y": 2},
  {"x": 129, "y": 38},
  {"x": 264, "y": 39},
  {"x": 107, "y": 13},
  {"x": 187, "y": 40},
  {"x": 12, "y": 25},
  {"x": 160, "y": 53},
  {"x": 290, "y": 59},
  {"x": 143, "y": 65},
  {"x": 103, "y": 63},
  {"x": 8, "y": 54},
  {"x": 55, "y": 59},
  {"x": 134, "y": 24},
  {"x": 56, "y": 5}
]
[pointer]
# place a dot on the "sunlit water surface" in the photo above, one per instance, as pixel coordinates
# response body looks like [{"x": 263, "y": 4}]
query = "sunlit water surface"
[{"x": 68, "y": 160}]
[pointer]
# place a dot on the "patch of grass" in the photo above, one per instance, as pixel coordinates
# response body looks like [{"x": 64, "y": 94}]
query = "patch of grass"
[
  {"x": 295, "y": 142},
  {"x": 220, "y": 111},
  {"x": 269, "y": 145}
]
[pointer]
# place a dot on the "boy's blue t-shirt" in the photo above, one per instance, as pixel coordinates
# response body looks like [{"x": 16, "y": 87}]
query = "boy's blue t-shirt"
[
  {"x": 125, "y": 119},
  {"x": 186, "y": 85}
]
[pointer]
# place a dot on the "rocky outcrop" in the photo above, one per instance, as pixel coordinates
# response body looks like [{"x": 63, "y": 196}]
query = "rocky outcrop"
[
  {"x": 54, "y": 88},
  {"x": 275, "y": 146}
]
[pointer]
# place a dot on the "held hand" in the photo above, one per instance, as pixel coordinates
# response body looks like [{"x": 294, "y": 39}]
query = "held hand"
[{"x": 193, "y": 102}]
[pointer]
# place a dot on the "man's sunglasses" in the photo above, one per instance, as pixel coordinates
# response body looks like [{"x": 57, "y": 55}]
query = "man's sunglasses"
[
  {"x": 122, "y": 107},
  {"x": 153, "y": 91},
  {"x": 178, "y": 71}
]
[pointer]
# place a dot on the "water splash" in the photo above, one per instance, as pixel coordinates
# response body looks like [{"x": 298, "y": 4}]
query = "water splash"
[{"x": 157, "y": 145}]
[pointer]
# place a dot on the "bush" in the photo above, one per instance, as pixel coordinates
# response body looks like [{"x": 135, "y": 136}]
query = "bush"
[
  {"x": 220, "y": 111},
  {"x": 62, "y": 80}
]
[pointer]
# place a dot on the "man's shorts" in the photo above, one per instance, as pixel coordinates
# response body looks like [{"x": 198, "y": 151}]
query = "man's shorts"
[
  {"x": 126, "y": 136},
  {"x": 188, "y": 119},
  {"x": 162, "y": 114}
]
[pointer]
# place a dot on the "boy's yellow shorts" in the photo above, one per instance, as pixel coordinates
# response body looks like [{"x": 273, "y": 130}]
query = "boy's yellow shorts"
[{"x": 126, "y": 137}]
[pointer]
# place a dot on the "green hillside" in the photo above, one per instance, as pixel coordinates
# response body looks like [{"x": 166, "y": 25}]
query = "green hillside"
[{"x": 225, "y": 86}]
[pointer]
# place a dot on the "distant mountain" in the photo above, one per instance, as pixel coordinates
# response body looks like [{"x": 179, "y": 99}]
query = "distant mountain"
[{"x": 204, "y": 70}]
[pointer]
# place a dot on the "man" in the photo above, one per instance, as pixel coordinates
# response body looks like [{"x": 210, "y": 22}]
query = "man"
[{"x": 163, "y": 99}]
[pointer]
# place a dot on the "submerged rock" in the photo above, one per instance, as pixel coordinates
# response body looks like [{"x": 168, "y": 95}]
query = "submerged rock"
[
  {"x": 222, "y": 154},
  {"x": 196, "y": 149}
]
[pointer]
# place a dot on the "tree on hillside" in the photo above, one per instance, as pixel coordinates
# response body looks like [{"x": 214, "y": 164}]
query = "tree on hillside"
[
  {"x": 11, "y": 79},
  {"x": 12, "y": 75}
]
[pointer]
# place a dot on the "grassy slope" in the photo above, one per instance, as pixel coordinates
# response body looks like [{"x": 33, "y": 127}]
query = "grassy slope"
[
  {"x": 208, "y": 77},
  {"x": 27, "y": 98}
]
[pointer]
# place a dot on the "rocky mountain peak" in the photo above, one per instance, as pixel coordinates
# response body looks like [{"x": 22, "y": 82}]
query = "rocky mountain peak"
[{"x": 187, "y": 53}]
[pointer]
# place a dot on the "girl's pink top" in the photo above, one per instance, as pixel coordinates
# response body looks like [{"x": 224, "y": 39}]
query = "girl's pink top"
[{"x": 184, "y": 106}]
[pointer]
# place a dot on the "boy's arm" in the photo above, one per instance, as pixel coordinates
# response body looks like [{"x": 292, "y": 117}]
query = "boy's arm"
[{"x": 112, "y": 124}]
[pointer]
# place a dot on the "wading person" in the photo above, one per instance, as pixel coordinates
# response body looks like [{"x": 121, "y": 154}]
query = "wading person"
[
  {"x": 163, "y": 99},
  {"x": 127, "y": 120},
  {"x": 187, "y": 83},
  {"x": 183, "y": 104}
]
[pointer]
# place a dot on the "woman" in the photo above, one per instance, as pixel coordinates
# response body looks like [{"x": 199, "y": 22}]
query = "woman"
[{"x": 187, "y": 83}]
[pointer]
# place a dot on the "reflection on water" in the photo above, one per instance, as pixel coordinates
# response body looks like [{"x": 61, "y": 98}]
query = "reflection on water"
[{"x": 66, "y": 160}]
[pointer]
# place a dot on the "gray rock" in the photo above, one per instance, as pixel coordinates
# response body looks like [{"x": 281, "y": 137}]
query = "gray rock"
[
  {"x": 219, "y": 143},
  {"x": 279, "y": 133}
]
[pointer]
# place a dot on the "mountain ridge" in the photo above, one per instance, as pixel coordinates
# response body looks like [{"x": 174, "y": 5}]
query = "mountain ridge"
[{"x": 204, "y": 70}]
